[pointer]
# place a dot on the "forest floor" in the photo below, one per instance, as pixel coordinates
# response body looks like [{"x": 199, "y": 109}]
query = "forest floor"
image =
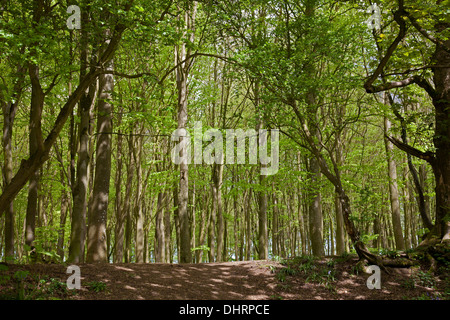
[{"x": 301, "y": 278}]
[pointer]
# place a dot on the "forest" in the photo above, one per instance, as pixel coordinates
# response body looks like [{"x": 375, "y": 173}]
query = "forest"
[{"x": 178, "y": 131}]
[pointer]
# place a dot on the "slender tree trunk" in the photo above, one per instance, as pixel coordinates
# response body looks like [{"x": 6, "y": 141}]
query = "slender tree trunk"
[
  {"x": 167, "y": 231},
  {"x": 203, "y": 226},
  {"x": 9, "y": 113},
  {"x": 263, "y": 240},
  {"x": 65, "y": 204},
  {"x": 98, "y": 212},
  {"x": 315, "y": 213},
  {"x": 407, "y": 212},
  {"x": 177, "y": 221},
  {"x": 248, "y": 223},
  {"x": 315, "y": 208},
  {"x": 301, "y": 219},
  {"x": 236, "y": 227},
  {"x": 426, "y": 197},
  {"x": 9, "y": 109},
  {"x": 160, "y": 246},
  {"x": 417, "y": 183},
  {"x": 340, "y": 231},
  {"x": 81, "y": 184},
  {"x": 127, "y": 207},
  {"x": 212, "y": 228},
  {"x": 193, "y": 220},
  {"x": 182, "y": 72},
  {"x": 393, "y": 190},
  {"x": 120, "y": 216},
  {"x": 139, "y": 203},
  {"x": 262, "y": 195},
  {"x": 217, "y": 174},
  {"x": 35, "y": 143},
  {"x": 376, "y": 231},
  {"x": 275, "y": 238}
]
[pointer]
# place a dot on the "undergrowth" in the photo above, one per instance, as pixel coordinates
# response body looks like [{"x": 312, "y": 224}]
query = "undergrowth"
[{"x": 322, "y": 273}]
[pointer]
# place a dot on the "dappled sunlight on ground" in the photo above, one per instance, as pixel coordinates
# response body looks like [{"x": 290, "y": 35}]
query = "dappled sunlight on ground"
[{"x": 247, "y": 280}]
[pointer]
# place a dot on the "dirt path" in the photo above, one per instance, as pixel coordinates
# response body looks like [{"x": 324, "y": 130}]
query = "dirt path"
[
  {"x": 247, "y": 280},
  {"x": 223, "y": 281}
]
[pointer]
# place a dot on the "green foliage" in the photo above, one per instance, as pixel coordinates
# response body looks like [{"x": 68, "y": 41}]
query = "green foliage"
[
  {"x": 24, "y": 285},
  {"x": 274, "y": 45},
  {"x": 96, "y": 286},
  {"x": 45, "y": 244},
  {"x": 428, "y": 296},
  {"x": 425, "y": 279},
  {"x": 408, "y": 284},
  {"x": 21, "y": 275},
  {"x": 204, "y": 248},
  {"x": 344, "y": 257},
  {"x": 390, "y": 253},
  {"x": 321, "y": 273},
  {"x": 4, "y": 278}
]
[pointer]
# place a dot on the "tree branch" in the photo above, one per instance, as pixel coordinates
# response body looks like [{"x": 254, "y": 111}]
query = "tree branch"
[
  {"x": 398, "y": 17},
  {"x": 35, "y": 161},
  {"x": 425, "y": 33},
  {"x": 427, "y": 156},
  {"x": 424, "y": 84}
]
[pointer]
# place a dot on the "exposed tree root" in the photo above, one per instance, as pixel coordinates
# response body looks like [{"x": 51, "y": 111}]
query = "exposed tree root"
[{"x": 433, "y": 250}]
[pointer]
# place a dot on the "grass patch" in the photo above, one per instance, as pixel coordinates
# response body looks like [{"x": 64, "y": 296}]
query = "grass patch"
[
  {"x": 22, "y": 285},
  {"x": 312, "y": 270},
  {"x": 96, "y": 286}
]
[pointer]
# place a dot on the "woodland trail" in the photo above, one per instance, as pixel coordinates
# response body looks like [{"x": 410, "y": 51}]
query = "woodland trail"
[{"x": 244, "y": 280}]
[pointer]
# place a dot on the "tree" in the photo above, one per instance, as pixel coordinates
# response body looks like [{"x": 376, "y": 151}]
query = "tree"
[
  {"x": 81, "y": 186},
  {"x": 184, "y": 63},
  {"x": 393, "y": 190},
  {"x": 29, "y": 166},
  {"x": 439, "y": 159},
  {"x": 98, "y": 212}
]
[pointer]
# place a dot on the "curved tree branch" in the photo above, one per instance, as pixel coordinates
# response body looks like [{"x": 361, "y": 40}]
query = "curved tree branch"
[{"x": 427, "y": 156}]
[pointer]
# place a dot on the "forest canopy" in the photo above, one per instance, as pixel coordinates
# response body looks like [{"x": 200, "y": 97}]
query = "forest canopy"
[{"x": 221, "y": 130}]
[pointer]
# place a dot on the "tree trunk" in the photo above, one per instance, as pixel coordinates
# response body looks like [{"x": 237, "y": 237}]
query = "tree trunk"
[
  {"x": 168, "y": 231},
  {"x": 138, "y": 205},
  {"x": 406, "y": 207},
  {"x": 315, "y": 212},
  {"x": 440, "y": 94},
  {"x": 301, "y": 219},
  {"x": 340, "y": 231},
  {"x": 275, "y": 237},
  {"x": 441, "y": 140},
  {"x": 263, "y": 241},
  {"x": 203, "y": 226},
  {"x": 236, "y": 219},
  {"x": 81, "y": 185},
  {"x": 393, "y": 189},
  {"x": 123, "y": 252},
  {"x": 217, "y": 174},
  {"x": 35, "y": 144},
  {"x": 9, "y": 113},
  {"x": 98, "y": 212},
  {"x": 120, "y": 217},
  {"x": 248, "y": 223},
  {"x": 212, "y": 228},
  {"x": 426, "y": 198},
  {"x": 182, "y": 72},
  {"x": 193, "y": 221},
  {"x": 160, "y": 246},
  {"x": 65, "y": 203}
]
